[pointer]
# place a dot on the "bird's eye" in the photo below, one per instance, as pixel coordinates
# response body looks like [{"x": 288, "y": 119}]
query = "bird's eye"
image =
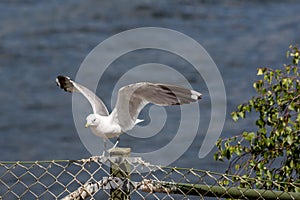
[{"x": 94, "y": 120}]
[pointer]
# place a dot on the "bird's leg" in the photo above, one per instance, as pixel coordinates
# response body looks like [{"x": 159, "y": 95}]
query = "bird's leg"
[
  {"x": 118, "y": 140},
  {"x": 105, "y": 147}
]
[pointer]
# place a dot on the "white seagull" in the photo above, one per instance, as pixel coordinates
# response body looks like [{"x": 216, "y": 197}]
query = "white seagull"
[{"x": 131, "y": 100}]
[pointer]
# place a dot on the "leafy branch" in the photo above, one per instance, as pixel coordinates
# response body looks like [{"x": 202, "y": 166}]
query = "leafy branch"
[{"x": 272, "y": 151}]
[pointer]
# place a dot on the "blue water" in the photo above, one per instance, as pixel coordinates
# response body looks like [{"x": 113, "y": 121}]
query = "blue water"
[{"x": 42, "y": 39}]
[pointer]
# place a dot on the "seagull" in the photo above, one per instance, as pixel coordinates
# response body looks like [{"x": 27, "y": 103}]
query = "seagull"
[{"x": 131, "y": 100}]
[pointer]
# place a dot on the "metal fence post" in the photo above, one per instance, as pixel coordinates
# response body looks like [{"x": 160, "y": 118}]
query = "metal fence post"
[{"x": 120, "y": 168}]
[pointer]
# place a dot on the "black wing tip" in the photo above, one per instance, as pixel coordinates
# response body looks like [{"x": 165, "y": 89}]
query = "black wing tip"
[
  {"x": 64, "y": 82},
  {"x": 199, "y": 97},
  {"x": 62, "y": 77}
]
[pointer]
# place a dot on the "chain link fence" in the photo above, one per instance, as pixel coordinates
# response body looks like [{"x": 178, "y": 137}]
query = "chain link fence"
[{"x": 121, "y": 177}]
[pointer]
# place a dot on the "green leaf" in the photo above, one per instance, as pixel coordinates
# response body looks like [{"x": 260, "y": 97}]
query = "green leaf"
[
  {"x": 217, "y": 157},
  {"x": 260, "y": 123},
  {"x": 288, "y": 69},
  {"x": 295, "y": 70},
  {"x": 260, "y": 71},
  {"x": 260, "y": 166},
  {"x": 234, "y": 116},
  {"x": 291, "y": 106},
  {"x": 242, "y": 114},
  {"x": 289, "y": 139},
  {"x": 292, "y": 164},
  {"x": 249, "y": 136}
]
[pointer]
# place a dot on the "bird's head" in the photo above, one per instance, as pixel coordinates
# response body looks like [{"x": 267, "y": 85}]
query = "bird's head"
[{"x": 92, "y": 120}]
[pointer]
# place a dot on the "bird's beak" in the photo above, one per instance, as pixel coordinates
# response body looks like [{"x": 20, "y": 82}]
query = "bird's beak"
[{"x": 87, "y": 125}]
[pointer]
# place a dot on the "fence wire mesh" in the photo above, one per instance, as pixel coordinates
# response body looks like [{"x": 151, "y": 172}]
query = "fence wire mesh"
[{"x": 125, "y": 178}]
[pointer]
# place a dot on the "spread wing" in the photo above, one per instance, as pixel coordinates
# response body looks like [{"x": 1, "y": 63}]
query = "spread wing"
[
  {"x": 69, "y": 85},
  {"x": 132, "y": 99}
]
